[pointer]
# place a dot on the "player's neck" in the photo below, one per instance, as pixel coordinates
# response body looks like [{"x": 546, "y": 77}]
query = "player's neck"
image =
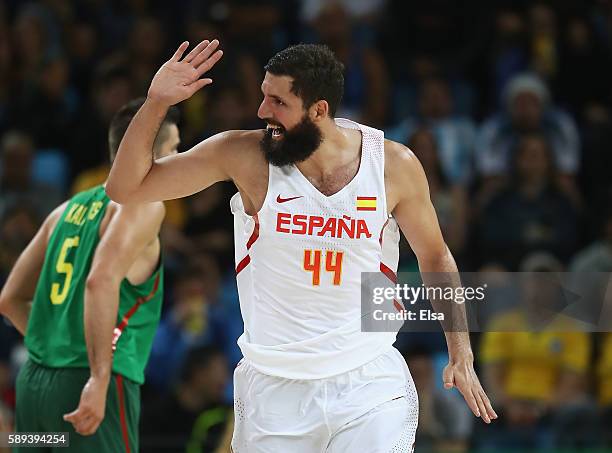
[{"x": 339, "y": 147}]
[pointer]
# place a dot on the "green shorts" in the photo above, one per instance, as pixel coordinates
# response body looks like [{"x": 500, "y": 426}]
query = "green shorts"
[{"x": 45, "y": 394}]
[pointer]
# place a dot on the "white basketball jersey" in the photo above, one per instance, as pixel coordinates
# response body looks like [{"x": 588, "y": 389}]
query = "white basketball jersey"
[{"x": 299, "y": 262}]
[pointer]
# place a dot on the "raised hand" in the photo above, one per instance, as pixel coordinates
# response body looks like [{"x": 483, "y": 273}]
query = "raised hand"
[{"x": 179, "y": 78}]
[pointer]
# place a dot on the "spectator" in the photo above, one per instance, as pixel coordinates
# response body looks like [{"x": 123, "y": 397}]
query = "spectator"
[
  {"x": 193, "y": 417},
  {"x": 596, "y": 257},
  {"x": 18, "y": 225},
  {"x": 585, "y": 67},
  {"x": 454, "y": 134},
  {"x": 16, "y": 184},
  {"x": 145, "y": 51},
  {"x": 227, "y": 111},
  {"x": 238, "y": 73},
  {"x": 110, "y": 89},
  {"x": 527, "y": 110},
  {"x": 544, "y": 41},
  {"x": 531, "y": 212},
  {"x": 48, "y": 108},
  {"x": 507, "y": 55},
  {"x": 361, "y": 11},
  {"x": 194, "y": 319},
  {"x": 209, "y": 224},
  {"x": 449, "y": 200},
  {"x": 82, "y": 47},
  {"x": 604, "y": 387},
  {"x": 535, "y": 363},
  {"x": 365, "y": 74}
]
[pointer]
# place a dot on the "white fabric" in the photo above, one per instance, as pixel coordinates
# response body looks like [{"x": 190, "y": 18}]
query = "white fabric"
[
  {"x": 294, "y": 328},
  {"x": 371, "y": 409}
]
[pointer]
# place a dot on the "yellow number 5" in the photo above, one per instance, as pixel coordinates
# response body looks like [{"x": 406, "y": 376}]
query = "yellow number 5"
[{"x": 63, "y": 267}]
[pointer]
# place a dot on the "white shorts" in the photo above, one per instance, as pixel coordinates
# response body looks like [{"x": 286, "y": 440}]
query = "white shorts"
[{"x": 371, "y": 409}]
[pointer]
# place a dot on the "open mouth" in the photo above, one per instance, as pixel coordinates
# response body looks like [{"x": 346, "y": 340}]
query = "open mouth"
[{"x": 277, "y": 131}]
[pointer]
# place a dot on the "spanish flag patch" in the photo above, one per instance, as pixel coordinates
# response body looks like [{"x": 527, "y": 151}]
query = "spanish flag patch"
[{"x": 366, "y": 203}]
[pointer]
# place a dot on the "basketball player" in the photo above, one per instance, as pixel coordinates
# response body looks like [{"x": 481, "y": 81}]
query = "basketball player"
[
  {"x": 87, "y": 294},
  {"x": 319, "y": 201}
]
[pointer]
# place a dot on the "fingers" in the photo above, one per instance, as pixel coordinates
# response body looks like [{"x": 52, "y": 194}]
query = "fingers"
[
  {"x": 179, "y": 52},
  {"x": 205, "y": 53},
  {"x": 89, "y": 426},
  {"x": 198, "y": 84},
  {"x": 84, "y": 423},
  {"x": 204, "y": 67},
  {"x": 471, "y": 401},
  {"x": 481, "y": 407},
  {"x": 196, "y": 50},
  {"x": 489, "y": 408},
  {"x": 448, "y": 377},
  {"x": 71, "y": 416}
]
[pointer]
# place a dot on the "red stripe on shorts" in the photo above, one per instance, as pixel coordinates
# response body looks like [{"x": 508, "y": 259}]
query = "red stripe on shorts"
[{"x": 121, "y": 397}]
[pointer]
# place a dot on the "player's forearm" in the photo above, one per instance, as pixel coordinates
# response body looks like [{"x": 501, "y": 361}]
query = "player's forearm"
[
  {"x": 135, "y": 154},
  {"x": 18, "y": 312},
  {"x": 440, "y": 270},
  {"x": 100, "y": 313}
]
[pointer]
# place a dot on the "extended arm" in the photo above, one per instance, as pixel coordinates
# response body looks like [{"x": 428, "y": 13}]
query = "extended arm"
[
  {"x": 18, "y": 291},
  {"x": 135, "y": 176},
  {"x": 415, "y": 214},
  {"x": 129, "y": 232}
]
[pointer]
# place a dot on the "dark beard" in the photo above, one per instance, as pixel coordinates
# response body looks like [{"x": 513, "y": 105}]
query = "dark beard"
[{"x": 296, "y": 145}]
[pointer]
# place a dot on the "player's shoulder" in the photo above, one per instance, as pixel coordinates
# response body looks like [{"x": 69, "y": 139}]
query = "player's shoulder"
[
  {"x": 235, "y": 146},
  {"x": 243, "y": 141},
  {"x": 53, "y": 218},
  {"x": 241, "y": 154},
  {"x": 400, "y": 160}
]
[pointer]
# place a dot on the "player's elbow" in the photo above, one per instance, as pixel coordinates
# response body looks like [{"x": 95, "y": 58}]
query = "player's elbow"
[
  {"x": 435, "y": 258},
  {"x": 101, "y": 281},
  {"x": 116, "y": 194},
  {"x": 5, "y": 303}
]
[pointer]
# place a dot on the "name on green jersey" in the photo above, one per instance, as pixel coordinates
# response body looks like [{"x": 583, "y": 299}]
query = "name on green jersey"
[{"x": 78, "y": 213}]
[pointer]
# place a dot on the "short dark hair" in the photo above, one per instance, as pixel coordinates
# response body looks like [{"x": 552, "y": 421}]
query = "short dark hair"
[
  {"x": 316, "y": 72},
  {"x": 121, "y": 120}
]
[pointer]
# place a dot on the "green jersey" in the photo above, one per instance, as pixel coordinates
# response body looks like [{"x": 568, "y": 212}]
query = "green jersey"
[{"x": 55, "y": 335}]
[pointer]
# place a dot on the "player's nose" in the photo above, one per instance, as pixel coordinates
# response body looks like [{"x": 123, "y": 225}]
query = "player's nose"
[{"x": 263, "y": 111}]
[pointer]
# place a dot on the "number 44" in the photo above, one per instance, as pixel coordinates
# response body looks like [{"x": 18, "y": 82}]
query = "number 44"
[{"x": 333, "y": 263}]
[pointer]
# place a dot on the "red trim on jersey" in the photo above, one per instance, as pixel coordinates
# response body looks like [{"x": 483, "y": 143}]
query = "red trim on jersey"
[
  {"x": 126, "y": 318},
  {"x": 242, "y": 264},
  {"x": 393, "y": 277},
  {"x": 388, "y": 272},
  {"x": 398, "y": 306},
  {"x": 382, "y": 230},
  {"x": 121, "y": 397},
  {"x": 254, "y": 236}
]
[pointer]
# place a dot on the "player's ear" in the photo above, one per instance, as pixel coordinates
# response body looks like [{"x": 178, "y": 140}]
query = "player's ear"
[{"x": 319, "y": 110}]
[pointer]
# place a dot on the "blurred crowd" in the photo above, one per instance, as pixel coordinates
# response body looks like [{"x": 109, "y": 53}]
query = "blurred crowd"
[{"x": 507, "y": 104}]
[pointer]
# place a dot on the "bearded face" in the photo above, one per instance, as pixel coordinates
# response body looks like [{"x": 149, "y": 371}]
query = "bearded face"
[{"x": 290, "y": 146}]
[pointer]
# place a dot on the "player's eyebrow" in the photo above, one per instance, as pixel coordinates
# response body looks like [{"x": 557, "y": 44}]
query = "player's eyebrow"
[
  {"x": 278, "y": 98},
  {"x": 273, "y": 96}
]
